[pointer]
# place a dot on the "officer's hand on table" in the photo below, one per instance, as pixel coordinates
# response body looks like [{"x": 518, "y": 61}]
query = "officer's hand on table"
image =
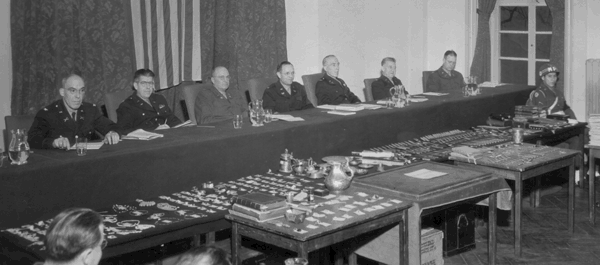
[
  {"x": 61, "y": 143},
  {"x": 111, "y": 138}
]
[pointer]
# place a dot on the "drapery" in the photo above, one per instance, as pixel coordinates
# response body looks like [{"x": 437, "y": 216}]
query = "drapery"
[
  {"x": 557, "y": 46},
  {"x": 481, "y": 65},
  {"x": 51, "y": 39},
  {"x": 166, "y": 36}
]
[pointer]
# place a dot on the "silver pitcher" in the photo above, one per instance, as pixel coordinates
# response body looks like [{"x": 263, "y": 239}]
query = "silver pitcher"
[{"x": 337, "y": 180}]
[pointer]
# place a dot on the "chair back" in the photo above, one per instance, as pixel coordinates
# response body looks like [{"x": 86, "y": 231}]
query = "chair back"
[
  {"x": 257, "y": 86},
  {"x": 310, "y": 83},
  {"x": 16, "y": 122},
  {"x": 426, "y": 75},
  {"x": 113, "y": 100},
  {"x": 368, "y": 89},
  {"x": 190, "y": 92}
]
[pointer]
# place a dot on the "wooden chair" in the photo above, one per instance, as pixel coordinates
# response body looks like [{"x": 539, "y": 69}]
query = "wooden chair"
[
  {"x": 190, "y": 92},
  {"x": 310, "y": 83},
  {"x": 113, "y": 100},
  {"x": 257, "y": 86},
  {"x": 426, "y": 75},
  {"x": 16, "y": 122},
  {"x": 368, "y": 89}
]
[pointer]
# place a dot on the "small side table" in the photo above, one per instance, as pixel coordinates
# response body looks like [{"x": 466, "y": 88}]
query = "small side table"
[
  {"x": 594, "y": 153},
  {"x": 522, "y": 162}
]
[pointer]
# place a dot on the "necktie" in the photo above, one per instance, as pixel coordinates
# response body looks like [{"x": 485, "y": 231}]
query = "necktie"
[{"x": 74, "y": 114}]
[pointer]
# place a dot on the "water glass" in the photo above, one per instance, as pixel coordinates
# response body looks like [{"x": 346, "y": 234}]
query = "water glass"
[
  {"x": 238, "y": 121},
  {"x": 390, "y": 103},
  {"x": 81, "y": 145},
  {"x": 296, "y": 261},
  {"x": 268, "y": 115},
  {"x": 2, "y": 157}
]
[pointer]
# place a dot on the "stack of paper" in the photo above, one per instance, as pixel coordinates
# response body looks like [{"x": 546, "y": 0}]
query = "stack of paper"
[
  {"x": 343, "y": 107},
  {"x": 141, "y": 134},
  {"x": 435, "y": 94},
  {"x": 184, "y": 124},
  {"x": 90, "y": 145},
  {"x": 286, "y": 117},
  {"x": 425, "y": 174},
  {"x": 370, "y": 106},
  {"x": 594, "y": 124},
  {"x": 343, "y": 113},
  {"x": 491, "y": 84}
]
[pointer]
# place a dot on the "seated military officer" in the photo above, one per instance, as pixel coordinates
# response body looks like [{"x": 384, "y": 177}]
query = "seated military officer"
[
  {"x": 144, "y": 109},
  {"x": 285, "y": 94},
  {"x": 381, "y": 87},
  {"x": 57, "y": 124},
  {"x": 548, "y": 95},
  {"x": 75, "y": 237},
  {"x": 331, "y": 89},
  {"x": 446, "y": 78},
  {"x": 219, "y": 103}
]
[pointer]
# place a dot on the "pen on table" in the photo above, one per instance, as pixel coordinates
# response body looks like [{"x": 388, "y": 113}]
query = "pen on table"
[{"x": 205, "y": 126}]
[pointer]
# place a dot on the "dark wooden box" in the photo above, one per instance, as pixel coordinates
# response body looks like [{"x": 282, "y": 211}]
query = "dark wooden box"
[{"x": 458, "y": 225}]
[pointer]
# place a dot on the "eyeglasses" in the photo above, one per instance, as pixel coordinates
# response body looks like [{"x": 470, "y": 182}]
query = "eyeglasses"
[
  {"x": 103, "y": 244},
  {"x": 144, "y": 83},
  {"x": 74, "y": 90}
]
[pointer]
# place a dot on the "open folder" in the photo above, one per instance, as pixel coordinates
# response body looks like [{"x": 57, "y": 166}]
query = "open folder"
[{"x": 141, "y": 134}]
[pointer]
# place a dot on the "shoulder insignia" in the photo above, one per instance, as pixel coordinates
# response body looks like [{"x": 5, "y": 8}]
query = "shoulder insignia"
[
  {"x": 66, "y": 119},
  {"x": 94, "y": 105},
  {"x": 45, "y": 109},
  {"x": 536, "y": 94},
  {"x": 60, "y": 111},
  {"x": 56, "y": 106}
]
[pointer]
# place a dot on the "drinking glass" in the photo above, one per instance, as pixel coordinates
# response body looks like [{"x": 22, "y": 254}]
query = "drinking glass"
[
  {"x": 390, "y": 103},
  {"x": 268, "y": 115},
  {"x": 238, "y": 121},
  {"x": 81, "y": 145},
  {"x": 2, "y": 157}
]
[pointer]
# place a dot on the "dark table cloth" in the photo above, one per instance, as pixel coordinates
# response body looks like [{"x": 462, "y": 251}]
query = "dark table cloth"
[{"x": 55, "y": 179}]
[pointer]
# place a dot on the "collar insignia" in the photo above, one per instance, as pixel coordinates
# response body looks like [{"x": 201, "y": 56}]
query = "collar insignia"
[
  {"x": 161, "y": 106},
  {"x": 66, "y": 119}
]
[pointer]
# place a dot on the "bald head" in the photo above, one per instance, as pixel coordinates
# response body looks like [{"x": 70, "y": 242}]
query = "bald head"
[
  {"x": 220, "y": 78},
  {"x": 72, "y": 91}
]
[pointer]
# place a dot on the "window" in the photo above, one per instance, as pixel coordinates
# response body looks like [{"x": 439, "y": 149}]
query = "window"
[{"x": 521, "y": 37}]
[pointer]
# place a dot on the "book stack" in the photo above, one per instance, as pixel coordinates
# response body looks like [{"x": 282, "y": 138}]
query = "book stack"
[
  {"x": 259, "y": 206},
  {"x": 529, "y": 112},
  {"x": 594, "y": 125}
]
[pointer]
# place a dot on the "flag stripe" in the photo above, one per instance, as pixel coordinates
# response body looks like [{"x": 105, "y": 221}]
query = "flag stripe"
[
  {"x": 138, "y": 37},
  {"x": 196, "y": 54},
  {"x": 189, "y": 44},
  {"x": 173, "y": 31}
]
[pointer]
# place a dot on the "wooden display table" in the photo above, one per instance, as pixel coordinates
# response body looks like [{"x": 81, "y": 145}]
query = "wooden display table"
[
  {"x": 331, "y": 224},
  {"x": 522, "y": 162},
  {"x": 594, "y": 153},
  {"x": 457, "y": 185}
]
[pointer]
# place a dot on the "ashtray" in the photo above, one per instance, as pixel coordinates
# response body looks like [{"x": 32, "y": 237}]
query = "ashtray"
[
  {"x": 295, "y": 216},
  {"x": 367, "y": 166},
  {"x": 361, "y": 171}
]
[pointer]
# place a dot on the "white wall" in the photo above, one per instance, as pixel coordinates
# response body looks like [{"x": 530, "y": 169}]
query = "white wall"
[
  {"x": 5, "y": 66},
  {"x": 361, "y": 33}
]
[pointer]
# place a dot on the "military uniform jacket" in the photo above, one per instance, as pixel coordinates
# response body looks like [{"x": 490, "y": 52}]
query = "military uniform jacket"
[
  {"x": 381, "y": 87},
  {"x": 55, "y": 121},
  {"x": 442, "y": 81},
  {"x": 212, "y": 106},
  {"x": 278, "y": 99},
  {"x": 334, "y": 91},
  {"x": 552, "y": 100},
  {"x": 135, "y": 113}
]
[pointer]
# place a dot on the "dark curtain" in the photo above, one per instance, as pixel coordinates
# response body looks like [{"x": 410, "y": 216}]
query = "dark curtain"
[
  {"x": 557, "y": 46},
  {"x": 481, "y": 65},
  {"x": 246, "y": 36},
  {"x": 51, "y": 39}
]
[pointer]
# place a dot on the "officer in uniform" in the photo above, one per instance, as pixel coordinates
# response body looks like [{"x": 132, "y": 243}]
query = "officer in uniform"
[
  {"x": 145, "y": 109},
  {"x": 286, "y": 95},
  {"x": 547, "y": 95},
  {"x": 219, "y": 102},
  {"x": 333, "y": 90},
  {"x": 381, "y": 87},
  {"x": 446, "y": 78},
  {"x": 56, "y": 125}
]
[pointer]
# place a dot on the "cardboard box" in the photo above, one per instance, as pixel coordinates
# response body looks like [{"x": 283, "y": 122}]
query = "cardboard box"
[{"x": 384, "y": 249}]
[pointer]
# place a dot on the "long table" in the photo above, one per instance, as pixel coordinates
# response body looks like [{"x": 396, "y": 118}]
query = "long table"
[{"x": 54, "y": 180}]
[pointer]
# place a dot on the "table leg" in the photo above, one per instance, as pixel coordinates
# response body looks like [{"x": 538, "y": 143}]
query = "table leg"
[
  {"x": 492, "y": 229},
  {"x": 517, "y": 217},
  {"x": 235, "y": 244},
  {"x": 592, "y": 184},
  {"x": 581, "y": 148},
  {"x": 403, "y": 239},
  {"x": 197, "y": 240},
  {"x": 572, "y": 196},
  {"x": 210, "y": 237},
  {"x": 352, "y": 259}
]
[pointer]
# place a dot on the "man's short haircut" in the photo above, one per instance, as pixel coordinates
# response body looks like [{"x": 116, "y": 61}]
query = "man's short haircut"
[
  {"x": 388, "y": 59},
  {"x": 193, "y": 256},
  {"x": 327, "y": 57},
  {"x": 281, "y": 64},
  {"x": 212, "y": 73},
  {"x": 142, "y": 72},
  {"x": 71, "y": 232},
  {"x": 449, "y": 52},
  {"x": 64, "y": 80}
]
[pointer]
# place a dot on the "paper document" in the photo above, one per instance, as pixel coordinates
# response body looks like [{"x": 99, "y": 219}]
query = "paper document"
[
  {"x": 141, "y": 134},
  {"x": 425, "y": 174},
  {"x": 286, "y": 117},
  {"x": 382, "y": 154},
  {"x": 491, "y": 84},
  {"x": 184, "y": 124},
  {"x": 343, "y": 113},
  {"x": 371, "y": 106},
  {"x": 435, "y": 94},
  {"x": 90, "y": 145},
  {"x": 345, "y": 107}
]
